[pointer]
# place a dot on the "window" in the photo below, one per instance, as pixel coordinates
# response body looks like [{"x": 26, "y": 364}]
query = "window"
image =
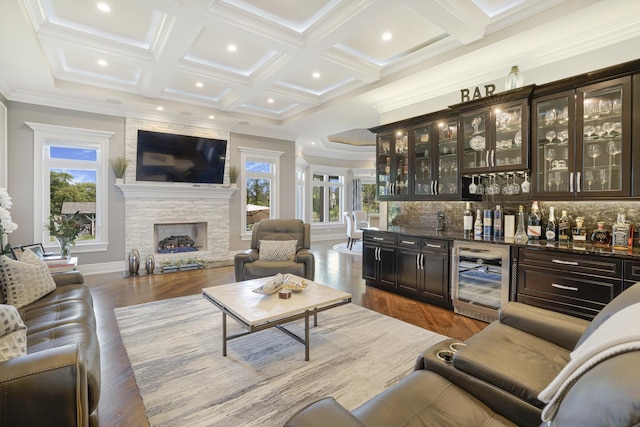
[
  {"x": 301, "y": 190},
  {"x": 260, "y": 174},
  {"x": 327, "y": 197},
  {"x": 368, "y": 198},
  {"x": 71, "y": 173}
]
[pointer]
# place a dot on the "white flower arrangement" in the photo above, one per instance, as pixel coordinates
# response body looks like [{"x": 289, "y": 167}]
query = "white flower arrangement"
[{"x": 6, "y": 225}]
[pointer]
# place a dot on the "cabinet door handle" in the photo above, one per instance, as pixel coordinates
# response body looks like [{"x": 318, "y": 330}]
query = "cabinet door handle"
[
  {"x": 566, "y": 288},
  {"x": 493, "y": 158},
  {"x": 571, "y": 182},
  {"x": 378, "y": 253},
  {"x": 407, "y": 242},
  {"x": 487, "y": 158},
  {"x": 436, "y": 191},
  {"x": 560, "y": 261},
  {"x": 417, "y": 261},
  {"x": 578, "y": 182},
  {"x": 378, "y": 238},
  {"x": 421, "y": 261},
  {"x": 431, "y": 245}
]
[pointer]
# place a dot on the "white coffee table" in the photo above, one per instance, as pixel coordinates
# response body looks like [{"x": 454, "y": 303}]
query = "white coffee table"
[{"x": 256, "y": 312}]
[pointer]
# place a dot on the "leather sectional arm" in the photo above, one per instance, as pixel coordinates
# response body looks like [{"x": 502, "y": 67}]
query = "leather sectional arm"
[
  {"x": 323, "y": 413},
  {"x": 558, "y": 328},
  {"x": 45, "y": 388},
  {"x": 68, "y": 278}
]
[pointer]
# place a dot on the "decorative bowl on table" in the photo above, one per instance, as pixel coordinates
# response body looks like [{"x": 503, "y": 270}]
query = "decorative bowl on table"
[{"x": 296, "y": 286}]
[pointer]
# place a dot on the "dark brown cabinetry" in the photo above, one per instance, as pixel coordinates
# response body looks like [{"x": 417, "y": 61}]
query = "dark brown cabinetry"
[
  {"x": 393, "y": 164},
  {"x": 423, "y": 269},
  {"x": 570, "y": 283},
  {"x": 496, "y": 138},
  {"x": 379, "y": 258},
  {"x": 582, "y": 142}
]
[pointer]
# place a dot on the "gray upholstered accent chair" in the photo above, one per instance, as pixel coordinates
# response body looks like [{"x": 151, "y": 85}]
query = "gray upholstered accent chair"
[{"x": 249, "y": 265}]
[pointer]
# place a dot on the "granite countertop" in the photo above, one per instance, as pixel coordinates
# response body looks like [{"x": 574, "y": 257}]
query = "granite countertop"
[{"x": 541, "y": 244}]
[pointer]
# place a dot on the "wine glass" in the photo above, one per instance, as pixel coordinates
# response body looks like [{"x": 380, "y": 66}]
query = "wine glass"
[
  {"x": 496, "y": 187},
  {"x": 600, "y": 131},
  {"x": 507, "y": 189},
  {"x": 594, "y": 151},
  {"x": 550, "y": 135},
  {"x": 558, "y": 179},
  {"x": 602, "y": 178},
  {"x": 550, "y": 180},
  {"x": 588, "y": 176},
  {"x": 480, "y": 187},
  {"x": 515, "y": 187},
  {"x": 563, "y": 135},
  {"x": 526, "y": 185},
  {"x": 614, "y": 148},
  {"x": 550, "y": 155},
  {"x": 589, "y": 131},
  {"x": 425, "y": 170},
  {"x": 473, "y": 187},
  {"x": 607, "y": 127},
  {"x": 452, "y": 188},
  {"x": 550, "y": 117},
  {"x": 604, "y": 106}
]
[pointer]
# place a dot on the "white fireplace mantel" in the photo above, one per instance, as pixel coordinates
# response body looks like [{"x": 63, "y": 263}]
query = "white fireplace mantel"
[{"x": 174, "y": 191}]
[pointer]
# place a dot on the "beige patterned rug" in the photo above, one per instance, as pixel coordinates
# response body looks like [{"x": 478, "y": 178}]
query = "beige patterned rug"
[{"x": 175, "y": 350}]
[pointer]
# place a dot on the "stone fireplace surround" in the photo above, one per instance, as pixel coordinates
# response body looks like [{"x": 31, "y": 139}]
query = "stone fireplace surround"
[{"x": 147, "y": 204}]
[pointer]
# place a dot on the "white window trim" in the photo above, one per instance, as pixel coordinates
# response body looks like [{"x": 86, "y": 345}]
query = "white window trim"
[
  {"x": 323, "y": 170},
  {"x": 257, "y": 154},
  {"x": 302, "y": 167},
  {"x": 45, "y": 132}
]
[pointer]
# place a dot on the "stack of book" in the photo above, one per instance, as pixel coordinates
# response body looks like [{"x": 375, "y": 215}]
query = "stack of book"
[{"x": 58, "y": 264}]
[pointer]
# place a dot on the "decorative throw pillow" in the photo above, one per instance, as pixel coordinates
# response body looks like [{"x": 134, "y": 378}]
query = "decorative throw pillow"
[
  {"x": 277, "y": 250},
  {"x": 25, "y": 281},
  {"x": 13, "y": 333}
]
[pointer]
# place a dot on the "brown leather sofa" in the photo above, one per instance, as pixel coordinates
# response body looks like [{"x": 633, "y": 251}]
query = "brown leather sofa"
[
  {"x": 495, "y": 378},
  {"x": 248, "y": 264},
  {"x": 57, "y": 383}
]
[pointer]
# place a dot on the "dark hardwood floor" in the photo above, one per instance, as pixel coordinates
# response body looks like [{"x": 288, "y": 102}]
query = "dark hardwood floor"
[{"x": 120, "y": 402}]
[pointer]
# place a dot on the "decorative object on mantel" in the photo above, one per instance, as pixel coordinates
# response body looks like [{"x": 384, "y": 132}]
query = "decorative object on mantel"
[
  {"x": 134, "y": 262},
  {"x": 119, "y": 166},
  {"x": 6, "y": 225},
  {"x": 515, "y": 79},
  {"x": 150, "y": 264},
  {"x": 233, "y": 175},
  {"x": 66, "y": 230}
]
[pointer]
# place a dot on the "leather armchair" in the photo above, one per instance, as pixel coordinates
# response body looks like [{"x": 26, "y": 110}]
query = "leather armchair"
[{"x": 248, "y": 264}]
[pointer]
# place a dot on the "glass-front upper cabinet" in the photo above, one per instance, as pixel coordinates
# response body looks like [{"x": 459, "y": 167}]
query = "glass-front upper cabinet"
[
  {"x": 582, "y": 141},
  {"x": 393, "y": 164},
  {"x": 496, "y": 138},
  {"x": 435, "y": 168}
]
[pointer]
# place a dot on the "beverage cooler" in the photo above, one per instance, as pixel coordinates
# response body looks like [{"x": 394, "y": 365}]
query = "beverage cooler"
[{"x": 480, "y": 278}]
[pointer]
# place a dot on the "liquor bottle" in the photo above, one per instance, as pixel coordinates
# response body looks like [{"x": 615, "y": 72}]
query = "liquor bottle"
[
  {"x": 564, "y": 228},
  {"x": 620, "y": 233},
  {"x": 579, "y": 233},
  {"x": 467, "y": 221},
  {"x": 534, "y": 225},
  {"x": 521, "y": 235},
  {"x": 487, "y": 224},
  {"x": 600, "y": 236},
  {"x": 497, "y": 223},
  {"x": 551, "y": 232},
  {"x": 477, "y": 228}
]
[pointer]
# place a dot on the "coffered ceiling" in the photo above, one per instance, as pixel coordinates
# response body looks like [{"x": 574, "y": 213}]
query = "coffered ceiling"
[{"x": 296, "y": 69}]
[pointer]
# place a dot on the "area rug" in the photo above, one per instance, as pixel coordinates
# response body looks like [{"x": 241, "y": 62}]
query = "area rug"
[
  {"x": 356, "y": 250},
  {"x": 175, "y": 351}
]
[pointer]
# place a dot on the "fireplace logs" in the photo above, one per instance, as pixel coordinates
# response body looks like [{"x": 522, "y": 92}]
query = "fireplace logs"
[{"x": 175, "y": 244}]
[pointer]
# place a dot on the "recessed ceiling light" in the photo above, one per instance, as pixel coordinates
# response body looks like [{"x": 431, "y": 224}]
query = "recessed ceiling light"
[
  {"x": 104, "y": 7},
  {"x": 313, "y": 143},
  {"x": 386, "y": 36},
  {"x": 270, "y": 100},
  {"x": 102, "y": 62},
  {"x": 199, "y": 84},
  {"x": 211, "y": 116},
  {"x": 232, "y": 48},
  {"x": 316, "y": 75},
  {"x": 159, "y": 108}
]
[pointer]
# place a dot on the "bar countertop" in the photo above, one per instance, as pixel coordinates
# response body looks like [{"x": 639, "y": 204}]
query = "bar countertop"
[{"x": 589, "y": 248}]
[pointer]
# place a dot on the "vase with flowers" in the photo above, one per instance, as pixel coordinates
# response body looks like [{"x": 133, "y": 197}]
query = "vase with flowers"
[
  {"x": 6, "y": 225},
  {"x": 66, "y": 230}
]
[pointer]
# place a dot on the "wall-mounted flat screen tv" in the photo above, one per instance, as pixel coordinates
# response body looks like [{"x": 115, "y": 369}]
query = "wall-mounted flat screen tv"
[{"x": 164, "y": 157}]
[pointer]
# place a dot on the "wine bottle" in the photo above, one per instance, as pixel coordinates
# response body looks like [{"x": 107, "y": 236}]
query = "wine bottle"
[
  {"x": 497, "y": 223},
  {"x": 534, "y": 225},
  {"x": 579, "y": 233},
  {"x": 564, "y": 228},
  {"x": 467, "y": 221},
  {"x": 521, "y": 235},
  {"x": 477, "y": 229},
  {"x": 552, "y": 229},
  {"x": 620, "y": 234},
  {"x": 600, "y": 236},
  {"x": 487, "y": 224}
]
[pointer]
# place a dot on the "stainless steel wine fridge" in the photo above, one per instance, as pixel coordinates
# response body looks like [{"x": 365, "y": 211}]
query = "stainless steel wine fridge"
[{"x": 480, "y": 278}]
